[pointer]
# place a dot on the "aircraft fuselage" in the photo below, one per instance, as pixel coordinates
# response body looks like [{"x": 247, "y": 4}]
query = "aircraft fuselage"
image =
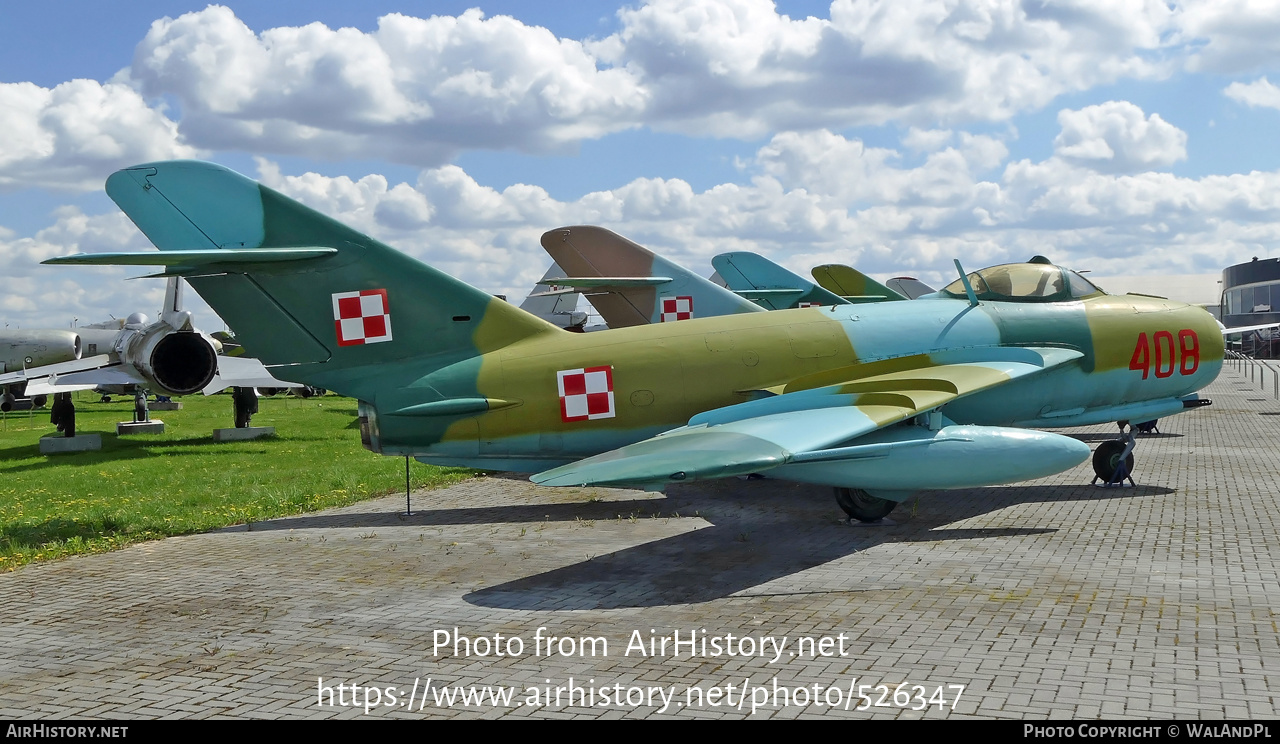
[{"x": 523, "y": 407}]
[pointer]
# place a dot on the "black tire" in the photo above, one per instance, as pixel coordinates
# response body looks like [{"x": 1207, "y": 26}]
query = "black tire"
[
  {"x": 1106, "y": 459},
  {"x": 862, "y": 506}
]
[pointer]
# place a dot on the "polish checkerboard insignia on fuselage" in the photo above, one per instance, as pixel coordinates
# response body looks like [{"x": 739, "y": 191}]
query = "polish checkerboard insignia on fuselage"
[
  {"x": 362, "y": 317},
  {"x": 586, "y": 393},
  {"x": 676, "y": 308}
]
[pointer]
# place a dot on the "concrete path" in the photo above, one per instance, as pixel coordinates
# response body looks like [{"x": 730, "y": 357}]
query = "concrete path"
[{"x": 1046, "y": 599}]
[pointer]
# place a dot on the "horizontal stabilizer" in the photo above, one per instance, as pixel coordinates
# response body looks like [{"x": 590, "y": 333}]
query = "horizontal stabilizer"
[
  {"x": 195, "y": 257},
  {"x": 592, "y": 282},
  {"x": 111, "y": 374},
  {"x": 241, "y": 371},
  {"x": 755, "y": 294},
  {"x": 51, "y": 385},
  {"x": 76, "y": 365},
  {"x": 572, "y": 285}
]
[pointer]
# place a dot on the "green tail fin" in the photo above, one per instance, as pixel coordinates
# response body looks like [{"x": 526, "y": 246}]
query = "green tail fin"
[
  {"x": 364, "y": 304},
  {"x": 853, "y": 285},
  {"x": 757, "y": 277}
]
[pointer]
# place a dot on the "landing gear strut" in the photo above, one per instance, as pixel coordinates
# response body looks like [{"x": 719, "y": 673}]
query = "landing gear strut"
[
  {"x": 1113, "y": 460},
  {"x": 862, "y": 506}
]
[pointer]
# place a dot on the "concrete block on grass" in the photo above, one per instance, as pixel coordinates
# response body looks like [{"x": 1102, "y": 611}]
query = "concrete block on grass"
[
  {"x": 60, "y": 444},
  {"x": 238, "y": 435},
  {"x": 154, "y": 426}
]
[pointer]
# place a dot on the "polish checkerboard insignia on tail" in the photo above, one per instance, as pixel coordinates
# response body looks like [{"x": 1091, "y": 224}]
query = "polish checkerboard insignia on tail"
[
  {"x": 586, "y": 394},
  {"x": 677, "y": 308},
  {"x": 362, "y": 317}
]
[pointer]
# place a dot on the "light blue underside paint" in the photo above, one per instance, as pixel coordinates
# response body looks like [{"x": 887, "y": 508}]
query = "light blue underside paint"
[{"x": 956, "y": 457}]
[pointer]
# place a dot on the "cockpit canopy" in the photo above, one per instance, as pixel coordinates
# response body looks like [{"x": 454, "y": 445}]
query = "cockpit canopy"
[{"x": 1025, "y": 282}]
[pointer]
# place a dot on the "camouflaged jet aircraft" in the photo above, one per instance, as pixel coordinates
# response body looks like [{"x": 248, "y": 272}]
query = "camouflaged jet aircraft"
[{"x": 876, "y": 400}]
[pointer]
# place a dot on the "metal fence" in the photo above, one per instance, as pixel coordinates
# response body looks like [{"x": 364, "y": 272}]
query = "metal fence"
[{"x": 1256, "y": 371}]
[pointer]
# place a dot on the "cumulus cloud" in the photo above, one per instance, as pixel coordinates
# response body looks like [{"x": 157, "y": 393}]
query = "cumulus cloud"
[
  {"x": 38, "y": 296},
  {"x": 74, "y": 135},
  {"x": 813, "y": 197},
  {"x": 420, "y": 90},
  {"x": 818, "y": 197},
  {"x": 738, "y": 68},
  {"x": 847, "y": 170},
  {"x": 926, "y": 140},
  {"x": 415, "y": 90},
  {"x": 1260, "y": 93},
  {"x": 1115, "y": 137},
  {"x": 1228, "y": 36}
]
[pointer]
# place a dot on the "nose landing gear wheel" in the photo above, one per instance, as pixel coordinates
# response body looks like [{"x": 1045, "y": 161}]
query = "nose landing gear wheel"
[
  {"x": 1107, "y": 461},
  {"x": 862, "y": 506}
]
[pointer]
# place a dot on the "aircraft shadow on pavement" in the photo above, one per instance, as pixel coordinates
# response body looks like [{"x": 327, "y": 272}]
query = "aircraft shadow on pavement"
[
  {"x": 760, "y": 531},
  {"x": 1093, "y": 437},
  {"x": 526, "y": 513}
]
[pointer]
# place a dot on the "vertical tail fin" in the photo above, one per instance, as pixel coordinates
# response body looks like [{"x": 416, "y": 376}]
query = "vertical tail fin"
[
  {"x": 173, "y": 314},
  {"x": 764, "y": 281},
  {"x": 853, "y": 285},
  {"x": 353, "y": 304},
  {"x": 558, "y": 309},
  {"x": 592, "y": 253}
]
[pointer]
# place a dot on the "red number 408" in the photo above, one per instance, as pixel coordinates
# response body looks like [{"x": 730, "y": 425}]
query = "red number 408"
[{"x": 1160, "y": 353}]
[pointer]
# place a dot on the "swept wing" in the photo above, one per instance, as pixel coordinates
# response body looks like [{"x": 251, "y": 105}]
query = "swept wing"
[{"x": 804, "y": 425}]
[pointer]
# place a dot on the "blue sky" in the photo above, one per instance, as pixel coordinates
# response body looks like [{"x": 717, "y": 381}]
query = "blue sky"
[{"x": 1122, "y": 138}]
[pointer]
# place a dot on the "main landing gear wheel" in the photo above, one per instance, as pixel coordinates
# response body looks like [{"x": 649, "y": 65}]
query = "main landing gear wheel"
[
  {"x": 862, "y": 506},
  {"x": 1107, "y": 462}
]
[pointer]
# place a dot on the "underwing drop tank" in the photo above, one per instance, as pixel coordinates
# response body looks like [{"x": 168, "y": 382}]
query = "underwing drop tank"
[{"x": 904, "y": 459}]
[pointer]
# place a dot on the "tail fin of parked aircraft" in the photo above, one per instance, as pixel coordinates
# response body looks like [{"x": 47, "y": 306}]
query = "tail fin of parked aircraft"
[
  {"x": 299, "y": 287},
  {"x": 909, "y": 287},
  {"x": 757, "y": 278},
  {"x": 630, "y": 285},
  {"x": 853, "y": 285},
  {"x": 556, "y": 306}
]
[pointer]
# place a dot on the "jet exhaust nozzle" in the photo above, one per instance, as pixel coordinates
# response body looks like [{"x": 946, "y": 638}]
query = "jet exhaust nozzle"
[{"x": 179, "y": 362}]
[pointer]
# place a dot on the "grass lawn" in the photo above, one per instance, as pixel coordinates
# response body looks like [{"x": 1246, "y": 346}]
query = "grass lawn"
[{"x": 143, "y": 487}]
